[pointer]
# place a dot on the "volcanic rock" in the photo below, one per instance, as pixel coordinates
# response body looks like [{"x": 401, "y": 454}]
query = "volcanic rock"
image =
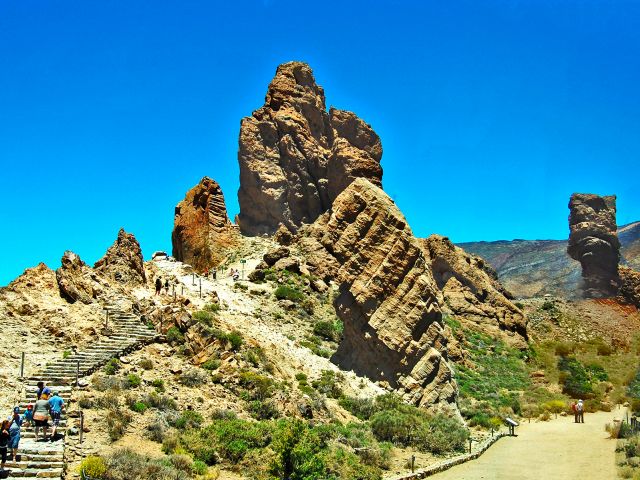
[
  {"x": 74, "y": 279},
  {"x": 388, "y": 300},
  {"x": 123, "y": 260},
  {"x": 470, "y": 288},
  {"x": 203, "y": 234},
  {"x": 593, "y": 241},
  {"x": 295, "y": 157},
  {"x": 630, "y": 285}
]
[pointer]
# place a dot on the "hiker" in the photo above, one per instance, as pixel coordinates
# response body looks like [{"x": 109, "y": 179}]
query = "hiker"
[
  {"x": 56, "y": 405},
  {"x": 28, "y": 415},
  {"x": 574, "y": 409},
  {"x": 580, "y": 410},
  {"x": 4, "y": 442},
  {"x": 41, "y": 415},
  {"x": 158, "y": 285},
  {"x": 236, "y": 276},
  {"x": 14, "y": 433},
  {"x": 40, "y": 390},
  {"x": 215, "y": 273},
  {"x": 166, "y": 286}
]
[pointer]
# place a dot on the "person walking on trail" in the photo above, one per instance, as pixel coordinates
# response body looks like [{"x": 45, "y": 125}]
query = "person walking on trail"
[
  {"x": 28, "y": 415},
  {"x": 158, "y": 285},
  {"x": 580, "y": 410},
  {"x": 41, "y": 415},
  {"x": 40, "y": 390},
  {"x": 5, "y": 436},
  {"x": 166, "y": 286},
  {"x": 56, "y": 405},
  {"x": 14, "y": 433},
  {"x": 574, "y": 409}
]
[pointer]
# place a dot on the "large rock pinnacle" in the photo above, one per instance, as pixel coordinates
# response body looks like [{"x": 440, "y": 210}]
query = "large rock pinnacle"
[
  {"x": 123, "y": 260},
  {"x": 295, "y": 157},
  {"x": 202, "y": 233},
  {"x": 593, "y": 241}
]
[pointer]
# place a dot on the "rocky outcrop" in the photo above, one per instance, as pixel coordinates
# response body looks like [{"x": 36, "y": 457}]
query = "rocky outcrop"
[
  {"x": 593, "y": 241},
  {"x": 203, "y": 234},
  {"x": 295, "y": 157},
  {"x": 630, "y": 285},
  {"x": 388, "y": 300},
  {"x": 470, "y": 290},
  {"x": 74, "y": 280},
  {"x": 123, "y": 260}
]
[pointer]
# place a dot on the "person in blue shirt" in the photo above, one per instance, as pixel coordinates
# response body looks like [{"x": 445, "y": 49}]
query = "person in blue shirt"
[
  {"x": 56, "y": 405},
  {"x": 14, "y": 432}
]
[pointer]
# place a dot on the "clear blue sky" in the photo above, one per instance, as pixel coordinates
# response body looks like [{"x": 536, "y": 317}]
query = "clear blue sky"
[{"x": 491, "y": 113}]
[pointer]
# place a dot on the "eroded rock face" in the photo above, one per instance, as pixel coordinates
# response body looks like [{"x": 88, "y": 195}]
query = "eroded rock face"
[
  {"x": 202, "y": 233},
  {"x": 387, "y": 298},
  {"x": 295, "y": 157},
  {"x": 123, "y": 260},
  {"x": 470, "y": 290},
  {"x": 630, "y": 285},
  {"x": 74, "y": 279},
  {"x": 593, "y": 241}
]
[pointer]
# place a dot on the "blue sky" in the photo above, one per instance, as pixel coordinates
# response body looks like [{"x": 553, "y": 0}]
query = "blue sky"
[{"x": 491, "y": 113}]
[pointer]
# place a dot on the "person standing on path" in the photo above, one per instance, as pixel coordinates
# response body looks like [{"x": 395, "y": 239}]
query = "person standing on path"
[
  {"x": 580, "y": 410},
  {"x": 56, "y": 405},
  {"x": 4, "y": 442},
  {"x": 166, "y": 286},
  {"x": 158, "y": 285},
  {"x": 574, "y": 409},
  {"x": 41, "y": 415},
  {"x": 14, "y": 433}
]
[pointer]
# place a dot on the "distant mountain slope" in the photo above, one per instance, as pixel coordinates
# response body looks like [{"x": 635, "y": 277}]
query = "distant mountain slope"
[{"x": 530, "y": 268}]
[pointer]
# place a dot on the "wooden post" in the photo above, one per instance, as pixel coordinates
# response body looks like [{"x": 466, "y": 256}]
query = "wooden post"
[
  {"x": 106, "y": 320},
  {"x": 193, "y": 279},
  {"x": 200, "y": 278},
  {"x": 81, "y": 425},
  {"x": 22, "y": 367},
  {"x": 182, "y": 291},
  {"x": 470, "y": 440},
  {"x": 413, "y": 463}
]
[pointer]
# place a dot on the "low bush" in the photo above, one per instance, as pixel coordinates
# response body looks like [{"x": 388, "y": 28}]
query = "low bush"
[
  {"x": 576, "y": 380},
  {"x": 107, "y": 400},
  {"x": 362, "y": 408},
  {"x": 331, "y": 331},
  {"x": 85, "y": 401},
  {"x": 211, "y": 364},
  {"x": 263, "y": 409},
  {"x": 93, "y": 466},
  {"x": 285, "y": 292},
  {"x": 212, "y": 307},
  {"x": 174, "y": 336},
  {"x": 221, "y": 414},
  {"x": 132, "y": 381},
  {"x": 139, "y": 407},
  {"x": 117, "y": 422},
  {"x": 125, "y": 464},
  {"x": 193, "y": 378},
  {"x": 182, "y": 462},
  {"x": 259, "y": 386},
  {"x": 329, "y": 383},
  {"x": 188, "y": 419},
  {"x": 235, "y": 340},
  {"x": 161, "y": 402},
  {"x": 199, "y": 468},
  {"x": 146, "y": 363},
  {"x": 112, "y": 366},
  {"x": 102, "y": 383},
  {"x": 158, "y": 384},
  {"x": 204, "y": 316}
]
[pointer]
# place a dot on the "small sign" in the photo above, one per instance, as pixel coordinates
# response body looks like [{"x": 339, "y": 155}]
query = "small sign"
[{"x": 243, "y": 261}]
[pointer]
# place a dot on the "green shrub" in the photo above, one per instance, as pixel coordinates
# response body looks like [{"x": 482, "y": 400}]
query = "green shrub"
[
  {"x": 117, "y": 422},
  {"x": 331, "y": 331},
  {"x": 126, "y": 464},
  {"x": 285, "y": 292},
  {"x": 112, "y": 366},
  {"x": 329, "y": 383},
  {"x": 211, "y": 364},
  {"x": 67, "y": 354},
  {"x": 261, "y": 387},
  {"x": 235, "y": 340},
  {"x": 193, "y": 378},
  {"x": 204, "y": 317},
  {"x": 139, "y": 407},
  {"x": 189, "y": 419},
  {"x": 575, "y": 378},
  {"x": 93, "y": 466},
  {"x": 158, "y": 384},
  {"x": 263, "y": 409},
  {"x": 199, "y": 467},
  {"x": 102, "y": 383},
  {"x": 362, "y": 408},
  {"x": 174, "y": 335},
  {"x": 565, "y": 349},
  {"x": 161, "y": 402},
  {"x": 132, "y": 381},
  {"x": 212, "y": 307}
]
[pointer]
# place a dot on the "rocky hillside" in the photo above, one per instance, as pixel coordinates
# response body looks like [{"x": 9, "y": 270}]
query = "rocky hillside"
[{"x": 530, "y": 268}]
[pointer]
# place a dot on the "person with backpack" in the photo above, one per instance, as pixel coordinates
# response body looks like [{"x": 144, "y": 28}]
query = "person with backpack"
[
  {"x": 40, "y": 390},
  {"x": 580, "y": 410},
  {"x": 56, "y": 405},
  {"x": 14, "y": 433},
  {"x": 28, "y": 415}
]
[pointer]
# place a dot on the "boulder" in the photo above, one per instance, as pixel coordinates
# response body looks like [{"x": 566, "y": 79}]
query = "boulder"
[
  {"x": 283, "y": 236},
  {"x": 593, "y": 241},
  {"x": 203, "y": 234},
  {"x": 295, "y": 157},
  {"x": 123, "y": 260},
  {"x": 74, "y": 279},
  {"x": 630, "y": 285}
]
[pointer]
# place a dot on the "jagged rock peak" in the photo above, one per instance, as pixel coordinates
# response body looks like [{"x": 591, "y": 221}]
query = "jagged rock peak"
[
  {"x": 123, "y": 260},
  {"x": 593, "y": 241},
  {"x": 202, "y": 232},
  {"x": 295, "y": 157},
  {"x": 74, "y": 279},
  {"x": 388, "y": 301}
]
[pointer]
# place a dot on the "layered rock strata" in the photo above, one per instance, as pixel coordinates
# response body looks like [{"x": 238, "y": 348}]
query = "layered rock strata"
[
  {"x": 470, "y": 290},
  {"x": 203, "y": 234},
  {"x": 295, "y": 157},
  {"x": 593, "y": 241},
  {"x": 123, "y": 260},
  {"x": 388, "y": 301}
]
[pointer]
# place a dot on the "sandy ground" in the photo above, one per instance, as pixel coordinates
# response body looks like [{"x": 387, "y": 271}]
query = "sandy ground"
[{"x": 555, "y": 449}]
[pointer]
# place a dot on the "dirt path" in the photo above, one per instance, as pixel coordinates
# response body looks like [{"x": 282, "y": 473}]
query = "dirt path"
[{"x": 556, "y": 449}]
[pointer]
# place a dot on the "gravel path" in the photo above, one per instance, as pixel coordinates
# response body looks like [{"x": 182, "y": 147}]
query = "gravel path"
[{"x": 558, "y": 449}]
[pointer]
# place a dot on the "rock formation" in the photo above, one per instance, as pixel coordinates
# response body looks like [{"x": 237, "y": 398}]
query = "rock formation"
[
  {"x": 387, "y": 298},
  {"x": 295, "y": 157},
  {"x": 123, "y": 260},
  {"x": 594, "y": 243},
  {"x": 630, "y": 285},
  {"x": 74, "y": 279},
  {"x": 470, "y": 290},
  {"x": 202, "y": 233}
]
